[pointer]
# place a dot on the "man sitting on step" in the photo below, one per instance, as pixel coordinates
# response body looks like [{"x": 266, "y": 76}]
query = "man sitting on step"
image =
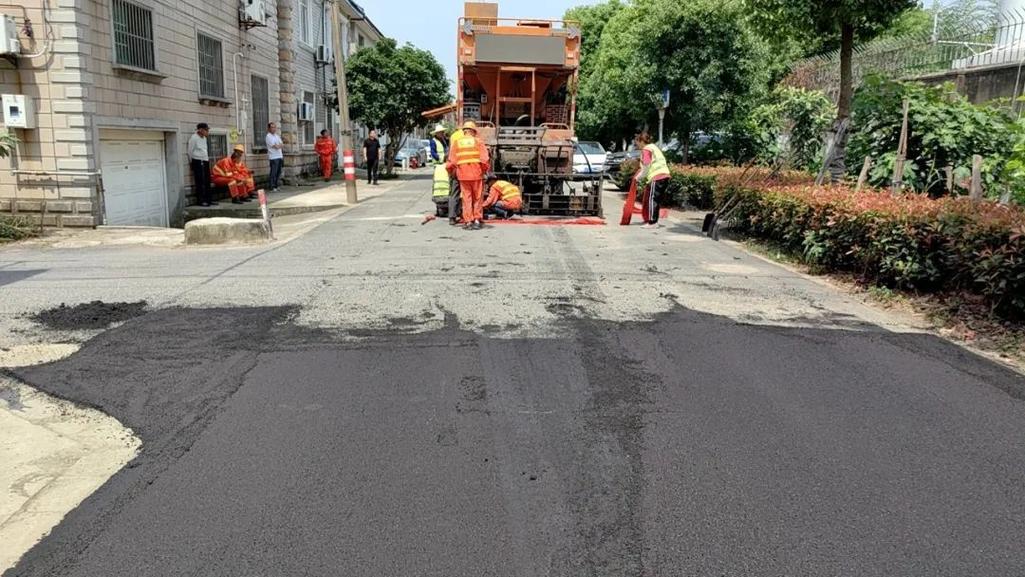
[{"x": 232, "y": 172}]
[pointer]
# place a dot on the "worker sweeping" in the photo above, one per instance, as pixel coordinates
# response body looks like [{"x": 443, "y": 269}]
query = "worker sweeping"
[
  {"x": 441, "y": 192},
  {"x": 468, "y": 159},
  {"x": 231, "y": 171},
  {"x": 653, "y": 177},
  {"x": 504, "y": 199},
  {"x": 327, "y": 150}
]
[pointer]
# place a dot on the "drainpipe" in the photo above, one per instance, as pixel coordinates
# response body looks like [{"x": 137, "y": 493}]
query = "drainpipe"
[{"x": 238, "y": 104}]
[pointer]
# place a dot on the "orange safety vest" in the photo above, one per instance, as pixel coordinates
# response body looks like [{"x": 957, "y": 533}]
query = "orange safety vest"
[
  {"x": 466, "y": 150},
  {"x": 508, "y": 190}
]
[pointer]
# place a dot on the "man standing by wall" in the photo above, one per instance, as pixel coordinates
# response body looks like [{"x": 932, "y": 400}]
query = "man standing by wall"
[
  {"x": 276, "y": 155},
  {"x": 199, "y": 159},
  {"x": 372, "y": 154}
]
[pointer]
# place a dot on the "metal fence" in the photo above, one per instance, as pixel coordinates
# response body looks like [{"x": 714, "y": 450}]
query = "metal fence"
[{"x": 1000, "y": 42}]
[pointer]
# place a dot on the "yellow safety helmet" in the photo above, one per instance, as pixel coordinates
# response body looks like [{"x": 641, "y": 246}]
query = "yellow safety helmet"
[{"x": 470, "y": 125}]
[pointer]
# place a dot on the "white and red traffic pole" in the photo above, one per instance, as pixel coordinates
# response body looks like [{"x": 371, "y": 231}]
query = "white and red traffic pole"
[
  {"x": 262, "y": 197},
  {"x": 349, "y": 165}
]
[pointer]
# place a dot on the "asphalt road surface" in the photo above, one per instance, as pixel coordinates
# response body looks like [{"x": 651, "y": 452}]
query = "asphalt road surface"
[{"x": 589, "y": 402}]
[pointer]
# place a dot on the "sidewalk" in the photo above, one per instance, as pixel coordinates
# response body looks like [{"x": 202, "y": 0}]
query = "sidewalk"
[{"x": 313, "y": 196}]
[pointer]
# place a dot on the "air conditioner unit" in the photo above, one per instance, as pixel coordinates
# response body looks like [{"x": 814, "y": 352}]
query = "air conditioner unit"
[
  {"x": 9, "y": 36},
  {"x": 306, "y": 111},
  {"x": 323, "y": 54},
  {"x": 254, "y": 13}
]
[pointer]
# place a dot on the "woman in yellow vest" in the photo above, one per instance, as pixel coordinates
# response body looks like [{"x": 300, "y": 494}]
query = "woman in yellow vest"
[
  {"x": 653, "y": 177},
  {"x": 441, "y": 191}
]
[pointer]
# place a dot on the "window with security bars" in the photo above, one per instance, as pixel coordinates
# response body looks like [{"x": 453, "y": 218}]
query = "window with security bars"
[
  {"x": 133, "y": 35},
  {"x": 261, "y": 111},
  {"x": 217, "y": 146},
  {"x": 211, "y": 67},
  {"x": 308, "y": 127}
]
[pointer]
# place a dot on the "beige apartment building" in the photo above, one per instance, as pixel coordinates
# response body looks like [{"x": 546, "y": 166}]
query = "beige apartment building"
[{"x": 103, "y": 96}]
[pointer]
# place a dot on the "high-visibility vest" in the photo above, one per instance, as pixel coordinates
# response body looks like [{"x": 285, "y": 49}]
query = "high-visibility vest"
[
  {"x": 508, "y": 190},
  {"x": 466, "y": 150},
  {"x": 439, "y": 147},
  {"x": 658, "y": 166},
  {"x": 441, "y": 186}
]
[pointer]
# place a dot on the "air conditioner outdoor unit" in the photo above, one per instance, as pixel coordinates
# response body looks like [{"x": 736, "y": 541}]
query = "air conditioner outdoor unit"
[
  {"x": 305, "y": 111},
  {"x": 323, "y": 54},
  {"x": 254, "y": 13},
  {"x": 9, "y": 36}
]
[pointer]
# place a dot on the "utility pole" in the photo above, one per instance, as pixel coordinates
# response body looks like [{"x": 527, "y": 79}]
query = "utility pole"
[{"x": 348, "y": 158}]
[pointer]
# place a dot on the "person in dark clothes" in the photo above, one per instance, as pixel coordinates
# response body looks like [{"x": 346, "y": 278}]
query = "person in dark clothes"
[
  {"x": 199, "y": 160},
  {"x": 372, "y": 154}
]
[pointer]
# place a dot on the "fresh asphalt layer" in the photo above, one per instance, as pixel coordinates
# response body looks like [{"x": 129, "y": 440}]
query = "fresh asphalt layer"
[{"x": 608, "y": 401}]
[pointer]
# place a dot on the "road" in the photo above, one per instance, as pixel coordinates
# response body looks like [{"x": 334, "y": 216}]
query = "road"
[{"x": 380, "y": 397}]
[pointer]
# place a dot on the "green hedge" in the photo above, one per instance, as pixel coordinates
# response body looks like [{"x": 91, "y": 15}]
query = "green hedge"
[{"x": 907, "y": 241}]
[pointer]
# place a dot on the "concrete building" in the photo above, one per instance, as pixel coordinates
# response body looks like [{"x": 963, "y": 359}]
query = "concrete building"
[
  {"x": 307, "y": 74},
  {"x": 114, "y": 88}
]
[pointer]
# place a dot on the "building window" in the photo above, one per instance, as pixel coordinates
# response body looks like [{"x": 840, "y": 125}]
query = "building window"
[
  {"x": 261, "y": 111},
  {"x": 217, "y": 146},
  {"x": 211, "y": 67},
  {"x": 133, "y": 36},
  {"x": 304, "y": 21},
  {"x": 308, "y": 127}
]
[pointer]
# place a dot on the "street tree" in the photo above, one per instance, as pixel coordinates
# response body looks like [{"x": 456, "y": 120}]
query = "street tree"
[
  {"x": 829, "y": 23},
  {"x": 389, "y": 86},
  {"x": 701, "y": 50}
]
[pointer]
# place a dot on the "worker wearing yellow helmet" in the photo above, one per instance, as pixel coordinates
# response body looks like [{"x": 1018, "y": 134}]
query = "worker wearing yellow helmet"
[{"x": 468, "y": 160}]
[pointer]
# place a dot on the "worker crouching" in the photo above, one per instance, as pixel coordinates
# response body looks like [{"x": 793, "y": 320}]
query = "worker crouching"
[
  {"x": 468, "y": 160},
  {"x": 504, "y": 199},
  {"x": 232, "y": 172}
]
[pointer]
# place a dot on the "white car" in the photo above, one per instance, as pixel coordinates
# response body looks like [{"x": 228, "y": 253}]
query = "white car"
[{"x": 589, "y": 159}]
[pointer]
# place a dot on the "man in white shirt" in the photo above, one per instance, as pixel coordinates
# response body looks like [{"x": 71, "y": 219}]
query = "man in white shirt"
[
  {"x": 276, "y": 155},
  {"x": 199, "y": 159}
]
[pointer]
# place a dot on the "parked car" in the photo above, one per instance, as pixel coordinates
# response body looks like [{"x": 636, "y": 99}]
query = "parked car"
[
  {"x": 589, "y": 159},
  {"x": 414, "y": 153},
  {"x": 615, "y": 159}
]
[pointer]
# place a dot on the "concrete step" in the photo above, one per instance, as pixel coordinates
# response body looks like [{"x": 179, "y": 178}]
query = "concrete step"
[{"x": 252, "y": 210}]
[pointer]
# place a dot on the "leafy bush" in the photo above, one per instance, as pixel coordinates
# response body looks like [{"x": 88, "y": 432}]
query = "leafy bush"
[
  {"x": 788, "y": 127},
  {"x": 944, "y": 130},
  {"x": 907, "y": 241},
  {"x": 16, "y": 228},
  {"x": 627, "y": 169}
]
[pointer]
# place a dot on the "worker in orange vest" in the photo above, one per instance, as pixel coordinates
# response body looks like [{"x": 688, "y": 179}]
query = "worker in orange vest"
[
  {"x": 231, "y": 171},
  {"x": 327, "y": 150},
  {"x": 504, "y": 198},
  {"x": 468, "y": 159}
]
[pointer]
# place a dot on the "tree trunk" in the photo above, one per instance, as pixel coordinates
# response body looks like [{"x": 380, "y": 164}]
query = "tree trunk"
[
  {"x": 838, "y": 166},
  {"x": 394, "y": 143}
]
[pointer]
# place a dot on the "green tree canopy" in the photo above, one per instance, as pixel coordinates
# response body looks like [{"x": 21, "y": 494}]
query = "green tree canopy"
[
  {"x": 833, "y": 22},
  {"x": 389, "y": 86},
  {"x": 701, "y": 50}
]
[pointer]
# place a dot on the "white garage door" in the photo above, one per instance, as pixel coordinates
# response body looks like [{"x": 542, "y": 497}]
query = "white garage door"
[{"x": 135, "y": 188}]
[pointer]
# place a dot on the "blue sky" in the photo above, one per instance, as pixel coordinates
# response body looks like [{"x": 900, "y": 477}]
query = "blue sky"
[{"x": 431, "y": 24}]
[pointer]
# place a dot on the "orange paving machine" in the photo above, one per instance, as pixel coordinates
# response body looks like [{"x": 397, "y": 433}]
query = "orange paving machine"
[{"x": 517, "y": 80}]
